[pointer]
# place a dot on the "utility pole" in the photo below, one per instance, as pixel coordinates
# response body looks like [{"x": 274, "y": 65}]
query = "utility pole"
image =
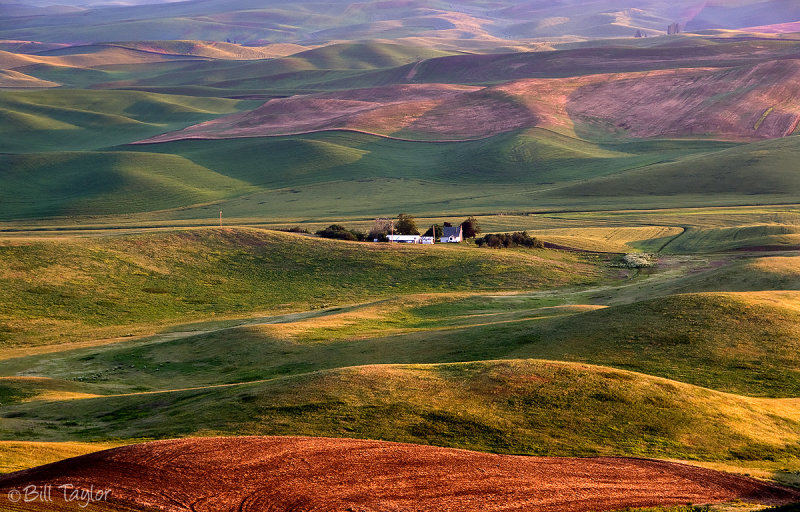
[
  {"x": 220, "y": 218},
  {"x": 391, "y": 238}
]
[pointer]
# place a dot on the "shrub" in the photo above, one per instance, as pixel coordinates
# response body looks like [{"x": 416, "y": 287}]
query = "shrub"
[
  {"x": 639, "y": 260},
  {"x": 340, "y": 232},
  {"x": 380, "y": 229},
  {"x": 502, "y": 240},
  {"x": 296, "y": 229}
]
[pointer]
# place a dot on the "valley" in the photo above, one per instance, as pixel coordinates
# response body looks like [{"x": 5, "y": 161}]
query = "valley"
[{"x": 169, "y": 303}]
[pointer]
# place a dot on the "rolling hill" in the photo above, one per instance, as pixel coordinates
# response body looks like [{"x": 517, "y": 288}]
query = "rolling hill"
[
  {"x": 514, "y": 406},
  {"x": 116, "y": 283},
  {"x": 687, "y": 337},
  {"x": 741, "y": 103},
  {"x": 127, "y": 131},
  {"x": 758, "y": 168},
  {"x": 78, "y": 120},
  {"x": 466, "y": 20}
]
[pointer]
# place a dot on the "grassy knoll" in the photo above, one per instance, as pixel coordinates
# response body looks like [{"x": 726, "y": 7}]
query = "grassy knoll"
[
  {"x": 90, "y": 182},
  {"x": 65, "y": 290},
  {"x": 745, "y": 344},
  {"x": 74, "y": 120},
  {"x": 418, "y": 329},
  {"x": 736, "y": 343},
  {"x": 516, "y": 406},
  {"x": 766, "y": 167},
  {"x": 533, "y": 156},
  {"x": 310, "y": 174}
]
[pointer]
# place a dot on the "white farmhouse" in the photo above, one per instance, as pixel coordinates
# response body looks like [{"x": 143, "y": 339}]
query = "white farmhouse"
[{"x": 451, "y": 234}]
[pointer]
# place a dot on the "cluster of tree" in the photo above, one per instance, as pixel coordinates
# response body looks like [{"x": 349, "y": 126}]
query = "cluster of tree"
[
  {"x": 435, "y": 231},
  {"x": 502, "y": 240},
  {"x": 340, "y": 232},
  {"x": 404, "y": 225}
]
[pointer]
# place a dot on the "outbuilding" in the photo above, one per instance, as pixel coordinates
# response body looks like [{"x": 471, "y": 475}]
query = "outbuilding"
[{"x": 405, "y": 239}]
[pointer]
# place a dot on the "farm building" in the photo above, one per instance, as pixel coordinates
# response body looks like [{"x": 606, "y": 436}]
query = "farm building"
[
  {"x": 451, "y": 234},
  {"x": 405, "y": 239}
]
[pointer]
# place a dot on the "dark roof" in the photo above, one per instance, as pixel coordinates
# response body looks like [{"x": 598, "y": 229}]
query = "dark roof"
[{"x": 449, "y": 231}]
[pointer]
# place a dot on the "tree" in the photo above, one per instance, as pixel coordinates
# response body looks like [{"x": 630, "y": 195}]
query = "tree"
[
  {"x": 380, "y": 229},
  {"x": 405, "y": 225},
  {"x": 470, "y": 227},
  {"x": 434, "y": 231}
]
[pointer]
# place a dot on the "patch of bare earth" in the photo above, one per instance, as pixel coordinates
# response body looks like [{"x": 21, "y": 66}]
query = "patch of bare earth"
[
  {"x": 741, "y": 103},
  {"x": 293, "y": 473},
  {"x": 426, "y": 111}
]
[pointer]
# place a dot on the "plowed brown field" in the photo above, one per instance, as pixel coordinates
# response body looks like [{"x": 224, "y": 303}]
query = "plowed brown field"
[{"x": 293, "y": 473}]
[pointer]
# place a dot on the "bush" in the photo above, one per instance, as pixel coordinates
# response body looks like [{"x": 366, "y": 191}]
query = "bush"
[
  {"x": 639, "y": 260},
  {"x": 296, "y": 229},
  {"x": 504, "y": 240},
  {"x": 339, "y": 232}
]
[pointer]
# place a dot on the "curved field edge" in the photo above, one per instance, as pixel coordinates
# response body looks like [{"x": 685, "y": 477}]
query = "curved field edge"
[{"x": 19, "y": 455}]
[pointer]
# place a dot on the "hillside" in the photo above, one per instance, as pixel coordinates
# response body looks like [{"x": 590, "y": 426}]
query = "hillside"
[
  {"x": 283, "y": 473},
  {"x": 466, "y": 20},
  {"x": 514, "y": 406},
  {"x": 75, "y": 120},
  {"x": 86, "y": 288},
  {"x": 686, "y": 337},
  {"x": 15, "y": 79},
  {"x": 767, "y": 167},
  {"x": 165, "y": 165},
  {"x": 749, "y": 102}
]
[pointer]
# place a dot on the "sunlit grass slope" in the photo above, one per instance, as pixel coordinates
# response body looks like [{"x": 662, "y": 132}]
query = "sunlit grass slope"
[
  {"x": 19, "y": 455},
  {"x": 77, "y": 288},
  {"x": 745, "y": 344},
  {"x": 517, "y": 406},
  {"x": 737, "y": 343}
]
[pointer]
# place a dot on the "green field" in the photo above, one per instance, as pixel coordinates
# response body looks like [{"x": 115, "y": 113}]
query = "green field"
[
  {"x": 246, "y": 331},
  {"x": 128, "y": 313},
  {"x": 72, "y": 289},
  {"x": 67, "y": 157}
]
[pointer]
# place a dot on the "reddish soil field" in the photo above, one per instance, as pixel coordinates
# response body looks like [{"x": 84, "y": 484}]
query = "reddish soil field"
[
  {"x": 741, "y": 103},
  {"x": 319, "y": 474}
]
